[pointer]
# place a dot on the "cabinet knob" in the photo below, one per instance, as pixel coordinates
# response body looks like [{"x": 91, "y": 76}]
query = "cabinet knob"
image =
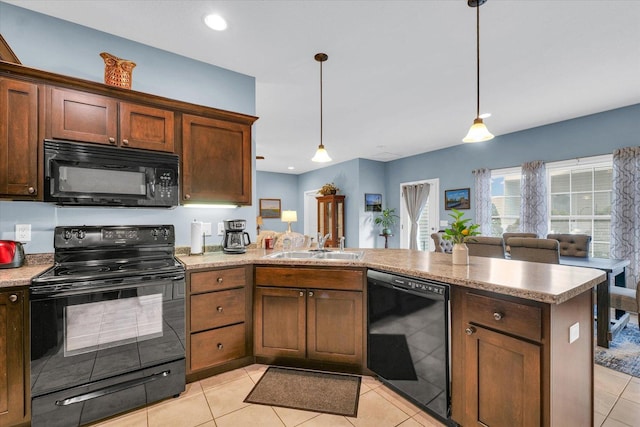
[
  {"x": 31, "y": 190},
  {"x": 187, "y": 196},
  {"x": 311, "y": 293},
  {"x": 219, "y": 280},
  {"x": 13, "y": 297},
  {"x": 112, "y": 140},
  {"x": 301, "y": 293},
  {"x": 219, "y": 309},
  {"x": 470, "y": 330},
  {"x": 125, "y": 142},
  {"x": 497, "y": 315},
  {"x": 220, "y": 346}
]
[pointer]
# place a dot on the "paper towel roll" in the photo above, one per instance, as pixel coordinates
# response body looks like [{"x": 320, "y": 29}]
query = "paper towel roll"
[{"x": 196, "y": 237}]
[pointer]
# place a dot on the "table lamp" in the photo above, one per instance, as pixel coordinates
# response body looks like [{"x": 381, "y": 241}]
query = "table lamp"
[{"x": 289, "y": 217}]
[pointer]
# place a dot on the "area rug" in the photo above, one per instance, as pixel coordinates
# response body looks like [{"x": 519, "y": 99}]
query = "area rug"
[
  {"x": 389, "y": 357},
  {"x": 307, "y": 390},
  {"x": 623, "y": 354}
]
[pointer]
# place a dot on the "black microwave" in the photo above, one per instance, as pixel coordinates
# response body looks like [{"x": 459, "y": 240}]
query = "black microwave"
[{"x": 93, "y": 175}]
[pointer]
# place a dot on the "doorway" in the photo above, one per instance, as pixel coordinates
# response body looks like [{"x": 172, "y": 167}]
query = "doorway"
[
  {"x": 429, "y": 219},
  {"x": 311, "y": 213}
]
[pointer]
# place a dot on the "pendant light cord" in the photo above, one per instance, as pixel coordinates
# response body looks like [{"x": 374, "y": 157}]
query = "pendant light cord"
[
  {"x": 321, "y": 104},
  {"x": 477, "y": 62}
]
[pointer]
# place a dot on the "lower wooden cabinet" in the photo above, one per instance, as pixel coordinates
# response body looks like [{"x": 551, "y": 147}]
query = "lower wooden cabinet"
[
  {"x": 301, "y": 320},
  {"x": 14, "y": 386},
  {"x": 218, "y": 321},
  {"x": 511, "y": 361}
]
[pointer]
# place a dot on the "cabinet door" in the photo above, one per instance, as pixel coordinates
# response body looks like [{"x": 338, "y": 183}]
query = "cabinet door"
[
  {"x": 83, "y": 117},
  {"x": 334, "y": 326},
  {"x": 18, "y": 138},
  {"x": 146, "y": 127},
  {"x": 280, "y": 316},
  {"x": 12, "y": 365},
  {"x": 502, "y": 376},
  {"x": 216, "y": 161}
]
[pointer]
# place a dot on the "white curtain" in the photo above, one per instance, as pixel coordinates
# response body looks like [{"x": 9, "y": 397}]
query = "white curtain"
[
  {"x": 625, "y": 210},
  {"x": 533, "y": 193},
  {"x": 415, "y": 198},
  {"x": 483, "y": 200}
]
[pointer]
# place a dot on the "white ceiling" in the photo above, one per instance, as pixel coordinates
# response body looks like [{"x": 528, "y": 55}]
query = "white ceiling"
[{"x": 400, "y": 79}]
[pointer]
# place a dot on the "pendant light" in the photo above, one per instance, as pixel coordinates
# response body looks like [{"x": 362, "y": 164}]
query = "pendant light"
[
  {"x": 321, "y": 155},
  {"x": 478, "y": 131}
]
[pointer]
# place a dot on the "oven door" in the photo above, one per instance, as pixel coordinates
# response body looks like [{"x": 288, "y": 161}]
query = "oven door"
[{"x": 123, "y": 341}]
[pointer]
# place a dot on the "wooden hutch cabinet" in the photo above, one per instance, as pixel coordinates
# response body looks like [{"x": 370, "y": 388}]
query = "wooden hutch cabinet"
[{"x": 331, "y": 218}]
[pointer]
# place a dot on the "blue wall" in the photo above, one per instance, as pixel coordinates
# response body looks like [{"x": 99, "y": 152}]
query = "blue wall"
[
  {"x": 51, "y": 44},
  {"x": 585, "y": 136},
  {"x": 284, "y": 187}
]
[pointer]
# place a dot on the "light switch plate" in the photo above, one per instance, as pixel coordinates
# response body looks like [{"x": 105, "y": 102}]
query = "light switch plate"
[
  {"x": 221, "y": 229},
  {"x": 574, "y": 332},
  {"x": 444, "y": 223},
  {"x": 206, "y": 228},
  {"x": 23, "y": 232}
]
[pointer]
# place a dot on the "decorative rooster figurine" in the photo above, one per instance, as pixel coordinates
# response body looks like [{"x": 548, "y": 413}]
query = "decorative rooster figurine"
[{"x": 117, "y": 71}]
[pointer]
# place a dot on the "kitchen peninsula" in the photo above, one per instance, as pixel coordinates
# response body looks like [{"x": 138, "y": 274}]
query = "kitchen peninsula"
[{"x": 509, "y": 320}]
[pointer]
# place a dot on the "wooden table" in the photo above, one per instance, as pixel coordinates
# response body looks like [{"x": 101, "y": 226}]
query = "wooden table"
[
  {"x": 386, "y": 236},
  {"x": 615, "y": 270}
]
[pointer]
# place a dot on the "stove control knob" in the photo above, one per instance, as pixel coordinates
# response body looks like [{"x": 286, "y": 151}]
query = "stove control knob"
[
  {"x": 81, "y": 234},
  {"x": 66, "y": 235},
  {"x": 166, "y": 232},
  {"x": 154, "y": 232}
]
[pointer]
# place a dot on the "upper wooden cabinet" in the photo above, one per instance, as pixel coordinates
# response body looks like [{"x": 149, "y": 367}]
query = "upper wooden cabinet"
[
  {"x": 216, "y": 161},
  {"x": 86, "y": 117},
  {"x": 18, "y": 139}
]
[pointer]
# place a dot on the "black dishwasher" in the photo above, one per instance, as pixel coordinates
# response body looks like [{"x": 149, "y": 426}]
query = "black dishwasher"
[{"x": 408, "y": 338}]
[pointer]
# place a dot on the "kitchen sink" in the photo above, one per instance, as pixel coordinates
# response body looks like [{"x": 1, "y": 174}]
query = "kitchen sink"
[{"x": 317, "y": 255}]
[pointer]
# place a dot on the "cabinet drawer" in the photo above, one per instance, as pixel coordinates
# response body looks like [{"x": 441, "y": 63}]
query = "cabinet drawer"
[
  {"x": 508, "y": 316},
  {"x": 217, "y": 346},
  {"x": 318, "y": 278},
  {"x": 217, "y": 309},
  {"x": 216, "y": 280}
]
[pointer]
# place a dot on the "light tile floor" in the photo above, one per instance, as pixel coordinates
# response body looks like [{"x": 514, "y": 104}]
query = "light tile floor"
[{"x": 218, "y": 402}]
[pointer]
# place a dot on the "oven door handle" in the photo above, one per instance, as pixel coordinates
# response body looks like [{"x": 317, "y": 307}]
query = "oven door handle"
[{"x": 111, "y": 389}]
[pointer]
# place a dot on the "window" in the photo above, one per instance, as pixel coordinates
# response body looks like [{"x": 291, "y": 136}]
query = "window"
[
  {"x": 505, "y": 201},
  {"x": 580, "y": 196}
]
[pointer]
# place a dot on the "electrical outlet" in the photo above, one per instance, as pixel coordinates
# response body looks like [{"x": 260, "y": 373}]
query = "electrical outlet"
[
  {"x": 23, "y": 232},
  {"x": 206, "y": 228},
  {"x": 221, "y": 229}
]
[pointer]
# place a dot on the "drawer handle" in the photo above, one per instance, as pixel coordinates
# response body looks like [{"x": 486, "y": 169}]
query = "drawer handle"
[
  {"x": 219, "y": 280},
  {"x": 470, "y": 330},
  {"x": 13, "y": 297},
  {"x": 220, "y": 346},
  {"x": 301, "y": 293},
  {"x": 497, "y": 315},
  {"x": 219, "y": 309},
  {"x": 112, "y": 140}
]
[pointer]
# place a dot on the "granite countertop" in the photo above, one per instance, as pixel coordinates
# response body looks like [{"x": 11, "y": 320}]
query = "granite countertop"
[{"x": 546, "y": 283}]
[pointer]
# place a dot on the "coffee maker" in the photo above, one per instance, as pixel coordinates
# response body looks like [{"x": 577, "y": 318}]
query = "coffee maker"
[{"x": 235, "y": 238}]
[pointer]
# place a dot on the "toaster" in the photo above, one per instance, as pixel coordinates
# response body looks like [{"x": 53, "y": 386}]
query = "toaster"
[{"x": 11, "y": 254}]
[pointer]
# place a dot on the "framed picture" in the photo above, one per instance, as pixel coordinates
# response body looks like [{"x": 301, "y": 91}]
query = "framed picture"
[
  {"x": 270, "y": 208},
  {"x": 372, "y": 202},
  {"x": 457, "y": 199}
]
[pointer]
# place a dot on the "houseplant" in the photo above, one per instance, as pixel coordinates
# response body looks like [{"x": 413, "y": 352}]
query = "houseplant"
[
  {"x": 386, "y": 220},
  {"x": 458, "y": 232},
  {"x": 328, "y": 189}
]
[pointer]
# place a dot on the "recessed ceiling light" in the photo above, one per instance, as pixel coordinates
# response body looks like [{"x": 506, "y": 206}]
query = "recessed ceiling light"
[
  {"x": 290, "y": 168},
  {"x": 484, "y": 115},
  {"x": 215, "y": 22}
]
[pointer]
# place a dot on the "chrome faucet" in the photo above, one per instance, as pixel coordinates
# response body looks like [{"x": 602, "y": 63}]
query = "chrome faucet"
[
  {"x": 342, "y": 244},
  {"x": 322, "y": 240}
]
